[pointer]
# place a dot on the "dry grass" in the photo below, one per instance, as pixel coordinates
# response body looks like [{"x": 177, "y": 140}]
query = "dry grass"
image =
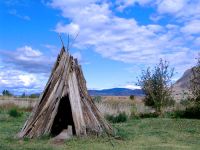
[
  {"x": 9, "y": 106},
  {"x": 113, "y": 105},
  {"x": 21, "y": 103},
  {"x": 109, "y": 105},
  {"x": 7, "y": 98}
]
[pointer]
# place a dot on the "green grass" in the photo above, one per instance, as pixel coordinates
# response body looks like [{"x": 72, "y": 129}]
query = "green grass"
[{"x": 148, "y": 133}]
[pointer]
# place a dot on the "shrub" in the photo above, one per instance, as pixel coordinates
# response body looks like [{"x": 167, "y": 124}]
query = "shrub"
[
  {"x": 186, "y": 102},
  {"x": 132, "y": 97},
  {"x": 189, "y": 113},
  {"x": 176, "y": 114},
  {"x": 156, "y": 85},
  {"x": 14, "y": 113},
  {"x": 121, "y": 117},
  {"x": 192, "y": 112}
]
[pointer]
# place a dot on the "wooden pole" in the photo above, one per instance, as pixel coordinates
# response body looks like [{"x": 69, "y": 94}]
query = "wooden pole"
[{"x": 61, "y": 39}]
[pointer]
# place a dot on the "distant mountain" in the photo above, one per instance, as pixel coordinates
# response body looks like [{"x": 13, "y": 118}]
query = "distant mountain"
[
  {"x": 182, "y": 85},
  {"x": 116, "y": 92},
  {"x": 184, "y": 81}
]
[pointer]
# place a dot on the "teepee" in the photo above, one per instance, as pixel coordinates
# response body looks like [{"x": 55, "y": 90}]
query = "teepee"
[{"x": 65, "y": 103}]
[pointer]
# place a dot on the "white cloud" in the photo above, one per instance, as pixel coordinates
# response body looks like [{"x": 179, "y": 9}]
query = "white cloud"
[
  {"x": 124, "y": 39},
  {"x": 15, "y": 13},
  {"x": 27, "y": 51},
  {"x": 25, "y": 69},
  {"x": 197, "y": 41},
  {"x": 16, "y": 79},
  {"x": 122, "y": 4},
  {"x": 28, "y": 59},
  {"x": 69, "y": 28},
  {"x": 71, "y": 7},
  {"x": 183, "y": 10},
  {"x": 27, "y": 79},
  {"x": 130, "y": 86},
  {"x": 171, "y": 6},
  {"x": 192, "y": 27}
]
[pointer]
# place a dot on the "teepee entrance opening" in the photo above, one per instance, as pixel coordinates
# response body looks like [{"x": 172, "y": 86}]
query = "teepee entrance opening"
[{"x": 63, "y": 117}]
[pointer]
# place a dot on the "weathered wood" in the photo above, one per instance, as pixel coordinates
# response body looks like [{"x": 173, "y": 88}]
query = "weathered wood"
[
  {"x": 75, "y": 102},
  {"x": 66, "y": 80}
]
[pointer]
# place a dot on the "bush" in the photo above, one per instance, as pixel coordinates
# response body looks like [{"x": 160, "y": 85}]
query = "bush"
[
  {"x": 189, "y": 113},
  {"x": 14, "y": 113},
  {"x": 132, "y": 97},
  {"x": 186, "y": 102},
  {"x": 192, "y": 112},
  {"x": 121, "y": 117},
  {"x": 156, "y": 85}
]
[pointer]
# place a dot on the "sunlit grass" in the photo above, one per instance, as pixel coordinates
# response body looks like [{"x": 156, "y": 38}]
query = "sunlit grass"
[{"x": 150, "y": 133}]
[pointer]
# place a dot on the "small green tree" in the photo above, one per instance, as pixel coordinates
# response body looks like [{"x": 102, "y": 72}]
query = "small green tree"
[
  {"x": 195, "y": 82},
  {"x": 6, "y": 93},
  {"x": 156, "y": 85}
]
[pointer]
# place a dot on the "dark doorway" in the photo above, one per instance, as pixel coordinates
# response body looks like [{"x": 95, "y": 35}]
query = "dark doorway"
[{"x": 63, "y": 117}]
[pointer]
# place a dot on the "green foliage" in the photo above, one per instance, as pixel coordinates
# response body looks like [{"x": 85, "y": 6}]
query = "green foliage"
[
  {"x": 156, "y": 85},
  {"x": 134, "y": 112},
  {"x": 149, "y": 133},
  {"x": 132, "y": 97},
  {"x": 23, "y": 95},
  {"x": 6, "y": 93},
  {"x": 192, "y": 113},
  {"x": 14, "y": 112},
  {"x": 195, "y": 82},
  {"x": 186, "y": 102},
  {"x": 148, "y": 115},
  {"x": 97, "y": 99},
  {"x": 34, "y": 96},
  {"x": 121, "y": 117}
]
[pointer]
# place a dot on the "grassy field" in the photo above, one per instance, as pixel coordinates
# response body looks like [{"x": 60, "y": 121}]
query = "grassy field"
[{"x": 150, "y": 133}]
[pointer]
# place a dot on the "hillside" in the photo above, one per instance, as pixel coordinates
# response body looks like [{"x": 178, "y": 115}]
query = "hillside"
[
  {"x": 182, "y": 85},
  {"x": 116, "y": 92}
]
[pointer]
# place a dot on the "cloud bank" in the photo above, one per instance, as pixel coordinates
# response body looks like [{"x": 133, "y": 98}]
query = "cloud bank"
[{"x": 127, "y": 40}]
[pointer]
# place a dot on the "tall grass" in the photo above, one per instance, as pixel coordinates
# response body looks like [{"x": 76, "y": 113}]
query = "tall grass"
[
  {"x": 9, "y": 106},
  {"x": 121, "y": 117}
]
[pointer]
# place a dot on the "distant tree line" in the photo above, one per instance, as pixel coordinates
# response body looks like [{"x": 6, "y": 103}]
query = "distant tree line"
[
  {"x": 24, "y": 95},
  {"x": 6, "y": 93}
]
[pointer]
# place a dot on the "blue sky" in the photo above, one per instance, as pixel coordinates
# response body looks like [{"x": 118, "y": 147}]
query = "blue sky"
[{"x": 116, "y": 39}]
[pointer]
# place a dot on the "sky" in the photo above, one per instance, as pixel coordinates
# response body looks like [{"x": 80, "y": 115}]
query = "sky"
[{"x": 117, "y": 39}]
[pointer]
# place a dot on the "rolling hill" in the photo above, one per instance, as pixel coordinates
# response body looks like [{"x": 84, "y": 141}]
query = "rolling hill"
[{"x": 116, "y": 92}]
